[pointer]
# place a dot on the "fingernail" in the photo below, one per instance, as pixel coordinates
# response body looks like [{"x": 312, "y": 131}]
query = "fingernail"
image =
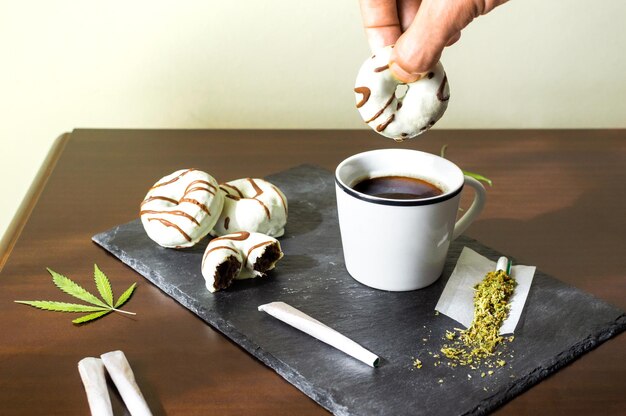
[{"x": 402, "y": 75}]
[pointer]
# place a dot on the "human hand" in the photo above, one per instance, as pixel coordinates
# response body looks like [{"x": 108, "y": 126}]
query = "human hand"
[{"x": 420, "y": 29}]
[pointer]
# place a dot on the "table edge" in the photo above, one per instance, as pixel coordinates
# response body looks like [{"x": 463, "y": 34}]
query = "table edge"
[{"x": 16, "y": 225}]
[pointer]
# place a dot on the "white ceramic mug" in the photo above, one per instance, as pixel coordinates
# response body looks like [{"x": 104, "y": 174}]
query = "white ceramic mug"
[{"x": 401, "y": 244}]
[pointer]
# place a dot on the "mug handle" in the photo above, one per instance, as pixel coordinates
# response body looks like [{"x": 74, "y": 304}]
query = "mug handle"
[{"x": 480, "y": 195}]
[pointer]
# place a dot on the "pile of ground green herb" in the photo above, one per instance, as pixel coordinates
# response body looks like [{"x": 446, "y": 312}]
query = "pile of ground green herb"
[{"x": 491, "y": 308}]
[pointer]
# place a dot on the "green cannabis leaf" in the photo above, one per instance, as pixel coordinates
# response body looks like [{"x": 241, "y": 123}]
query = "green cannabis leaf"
[
  {"x": 103, "y": 285},
  {"x": 125, "y": 296},
  {"x": 476, "y": 176},
  {"x": 49, "y": 305},
  {"x": 72, "y": 288}
]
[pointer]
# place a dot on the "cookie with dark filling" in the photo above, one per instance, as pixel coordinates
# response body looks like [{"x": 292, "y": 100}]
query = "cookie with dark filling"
[{"x": 237, "y": 256}]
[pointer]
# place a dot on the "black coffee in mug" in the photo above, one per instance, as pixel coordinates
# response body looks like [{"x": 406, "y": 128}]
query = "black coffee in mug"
[{"x": 397, "y": 187}]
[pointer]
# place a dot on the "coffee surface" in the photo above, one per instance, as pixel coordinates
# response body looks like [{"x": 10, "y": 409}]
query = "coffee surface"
[{"x": 397, "y": 187}]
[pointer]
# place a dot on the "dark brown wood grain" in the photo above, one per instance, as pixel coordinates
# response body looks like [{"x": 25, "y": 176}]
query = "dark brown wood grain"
[{"x": 558, "y": 202}]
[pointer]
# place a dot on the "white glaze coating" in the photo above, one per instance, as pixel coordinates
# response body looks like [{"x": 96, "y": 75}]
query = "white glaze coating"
[
  {"x": 253, "y": 205},
  {"x": 245, "y": 247},
  {"x": 402, "y": 118},
  {"x": 181, "y": 208}
]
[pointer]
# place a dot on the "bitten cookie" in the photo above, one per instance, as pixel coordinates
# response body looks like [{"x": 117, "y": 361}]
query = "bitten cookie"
[
  {"x": 181, "y": 208},
  {"x": 394, "y": 115},
  {"x": 252, "y": 205},
  {"x": 237, "y": 256}
]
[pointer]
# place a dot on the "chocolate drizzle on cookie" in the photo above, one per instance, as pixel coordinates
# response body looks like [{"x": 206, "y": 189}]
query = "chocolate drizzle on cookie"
[
  {"x": 238, "y": 236},
  {"x": 203, "y": 186},
  {"x": 230, "y": 260},
  {"x": 172, "y": 225},
  {"x": 212, "y": 249},
  {"x": 254, "y": 247},
  {"x": 281, "y": 198},
  {"x": 177, "y": 212},
  {"x": 382, "y": 110},
  {"x": 365, "y": 92},
  {"x": 196, "y": 203},
  {"x": 226, "y": 187},
  {"x": 184, "y": 201},
  {"x": 173, "y": 179},
  {"x": 263, "y": 203},
  {"x": 381, "y": 68},
  {"x": 162, "y": 198},
  {"x": 210, "y": 188},
  {"x": 384, "y": 125},
  {"x": 441, "y": 89},
  {"x": 259, "y": 191},
  {"x": 429, "y": 125},
  {"x": 234, "y": 188},
  {"x": 265, "y": 208},
  {"x": 256, "y": 187}
]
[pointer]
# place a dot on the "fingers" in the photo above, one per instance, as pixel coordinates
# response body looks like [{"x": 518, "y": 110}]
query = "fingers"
[
  {"x": 407, "y": 9},
  {"x": 436, "y": 25},
  {"x": 454, "y": 39},
  {"x": 380, "y": 19},
  {"x": 491, "y": 4}
]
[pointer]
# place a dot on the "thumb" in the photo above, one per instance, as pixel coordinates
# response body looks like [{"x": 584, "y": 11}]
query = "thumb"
[{"x": 436, "y": 24}]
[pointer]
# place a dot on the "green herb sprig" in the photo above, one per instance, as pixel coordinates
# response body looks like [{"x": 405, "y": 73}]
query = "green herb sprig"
[
  {"x": 98, "y": 307},
  {"x": 476, "y": 176}
]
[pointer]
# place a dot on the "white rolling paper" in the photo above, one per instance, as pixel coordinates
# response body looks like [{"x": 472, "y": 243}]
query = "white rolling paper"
[
  {"x": 457, "y": 298},
  {"x": 122, "y": 375},
  {"x": 92, "y": 373},
  {"x": 316, "y": 329}
]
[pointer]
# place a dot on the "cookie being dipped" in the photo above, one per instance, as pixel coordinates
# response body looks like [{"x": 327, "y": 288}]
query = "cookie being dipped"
[{"x": 395, "y": 109}]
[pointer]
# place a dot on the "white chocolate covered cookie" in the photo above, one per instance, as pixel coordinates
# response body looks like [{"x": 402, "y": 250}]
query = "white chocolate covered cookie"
[
  {"x": 181, "y": 208},
  {"x": 396, "y": 116},
  {"x": 241, "y": 255},
  {"x": 252, "y": 205}
]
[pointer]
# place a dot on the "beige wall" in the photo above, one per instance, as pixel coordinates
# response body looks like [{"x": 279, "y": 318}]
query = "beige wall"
[{"x": 281, "y": 64}]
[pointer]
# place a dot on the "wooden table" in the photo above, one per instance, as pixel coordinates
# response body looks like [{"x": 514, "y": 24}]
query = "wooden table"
[{"x": 558, "y": 202}]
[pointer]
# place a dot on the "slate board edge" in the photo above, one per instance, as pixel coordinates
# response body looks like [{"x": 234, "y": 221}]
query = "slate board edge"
[
  {"x": 283, "y": 369},
  {"x": 325, "y": 398},
  {"x": 546, "y": 369}
]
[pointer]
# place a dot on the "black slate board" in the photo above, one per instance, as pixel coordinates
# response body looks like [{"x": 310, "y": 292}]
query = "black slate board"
[{"x": 559, "y": 322}]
